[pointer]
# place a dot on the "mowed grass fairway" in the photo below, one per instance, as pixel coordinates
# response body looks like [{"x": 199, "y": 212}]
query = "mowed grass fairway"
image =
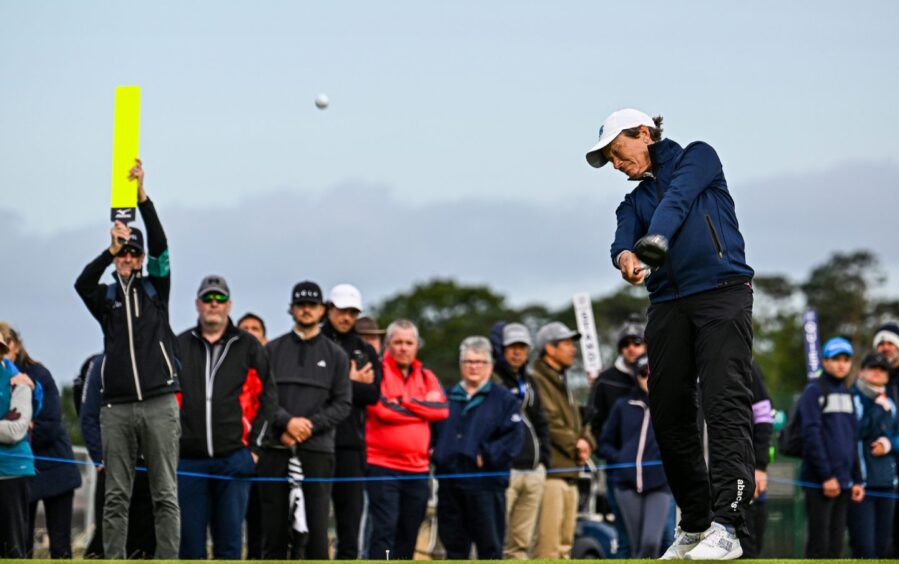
[{"x": 764, "y": 561}]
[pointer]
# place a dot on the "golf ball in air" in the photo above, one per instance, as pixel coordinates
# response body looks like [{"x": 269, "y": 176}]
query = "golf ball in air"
[{"x": 321, "y": 101}]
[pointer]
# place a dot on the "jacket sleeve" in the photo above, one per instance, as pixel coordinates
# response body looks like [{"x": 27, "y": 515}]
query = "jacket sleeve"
[
  {"x": 629, "y": 229},
  {"x": 47, "y": 423},
  {"x": 432, "y": 407},
  {"x": 338, "y": 406},
  {"x": 699, "y": 166},
  {"x": 541, "y": 426},
  {"x": 369, "y": 394},
  {"x": 610, "y": 440},
  {"x": 504, "y": 444},
  {"x": 762, "y": 419},
  {"x": 813, "y": 451},
  {"x": 88, "y": 286},
  {"x": 563, "y": 438},
  {"x": 390, "y": 412},
  {"x": 90, "y": 412},
  {"x": 158, "y": 267},
  {"x": 857, "y": 478},
  {"x": 268, "y": 398},
  {"x": 11, "y": 432}
]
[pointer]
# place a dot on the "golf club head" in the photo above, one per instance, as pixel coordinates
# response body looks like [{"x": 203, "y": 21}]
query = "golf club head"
[{"x": 652, "y": 250}]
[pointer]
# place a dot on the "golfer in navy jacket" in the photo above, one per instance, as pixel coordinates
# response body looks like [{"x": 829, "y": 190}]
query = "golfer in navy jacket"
[
  {"x": 482, "y": 435},
  {"x": 700, "y": 322}
]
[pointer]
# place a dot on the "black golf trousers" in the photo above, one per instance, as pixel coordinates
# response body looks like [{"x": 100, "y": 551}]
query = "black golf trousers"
[{"x": 706, "y": 336}]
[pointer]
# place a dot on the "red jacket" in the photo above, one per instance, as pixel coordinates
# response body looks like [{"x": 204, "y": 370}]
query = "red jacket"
[{"x": 398, "y": 428}]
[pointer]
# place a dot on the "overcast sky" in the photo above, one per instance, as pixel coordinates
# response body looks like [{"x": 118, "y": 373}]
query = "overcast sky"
[{"x": 453, "y": 145}]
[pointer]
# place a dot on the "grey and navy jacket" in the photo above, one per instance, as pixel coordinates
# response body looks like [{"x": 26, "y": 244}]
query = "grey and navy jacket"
[
  {"x": 313, "y": 379},
  {"x": 628, "y": 439},
  {"x": 486, "y": 424},
  {"x": 350, "y": 434},
  {"x": 140, "y": 359},
  {"x": 829, "y": 435},
  {"x": 686, "y": 199},
  {"x": 228, "y": 396},
  {"x": 535, "y": 449},
  {"x": 874, "y": 422},
  {"x": 612, "y": 384}
]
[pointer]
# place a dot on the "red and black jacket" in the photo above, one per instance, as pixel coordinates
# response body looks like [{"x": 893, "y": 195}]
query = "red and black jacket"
[{"x": 228, "y": 404}]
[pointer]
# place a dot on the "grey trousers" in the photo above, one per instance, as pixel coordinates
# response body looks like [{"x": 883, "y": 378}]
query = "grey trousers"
[
  {"x": 153, "y": 428},
  {"x": 645, "y": 516}
]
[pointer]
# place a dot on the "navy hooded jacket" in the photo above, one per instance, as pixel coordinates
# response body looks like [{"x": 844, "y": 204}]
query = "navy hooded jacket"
[
  {"x": 628, "y": 438},
  {"x": 687, "y": 201},
  {"x": 487, "y": 424},
  {"x": 829, "y": 435},
  {"x": 874, "y": 422}
]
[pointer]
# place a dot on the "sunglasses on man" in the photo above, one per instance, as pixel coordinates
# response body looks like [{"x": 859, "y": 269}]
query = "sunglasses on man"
[
  {"x": 129, "y": 251},
  {"x": 214, "y": 297}
]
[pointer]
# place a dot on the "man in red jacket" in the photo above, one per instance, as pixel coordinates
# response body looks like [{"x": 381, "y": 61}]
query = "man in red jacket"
[{"x": 399, "y": 436}]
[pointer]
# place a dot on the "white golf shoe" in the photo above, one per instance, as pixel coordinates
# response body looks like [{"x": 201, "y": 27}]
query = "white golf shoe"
[
  {"x": 718, "y": 543},
  {"x": 683, "y": 543}
]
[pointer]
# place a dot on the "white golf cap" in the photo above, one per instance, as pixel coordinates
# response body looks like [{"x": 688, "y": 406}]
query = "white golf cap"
[
  {"x": 615, "y": 124},
  {"x": 345, "y": 296}
]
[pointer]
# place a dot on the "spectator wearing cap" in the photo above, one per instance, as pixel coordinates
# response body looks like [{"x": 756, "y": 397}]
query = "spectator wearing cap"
[
  {"x": 642, "y": 492},
  {"x": 315, "y": 395},
  {"x": 886, "y": 342},
  {"x": 483, "y": 434},
  {"x": 344, "y": 306},
  {"x": 571, "y": 441},
  {"x": 681, "y": 221},
  {"x": 16, "y": 458},
  {"x": 871, "y": 521},
  {"x": 254, "y": 325},
  {"x": 138, "y": 376},
  {"x": 228, "y": 399},
  {"x": 367, "y": 328},
  {"x": 398, "y": 443},
  {"x": 511, "y": 345},
  {"x": 829, "y": 451},
  {"x": 55, "y": 482},
  {"x": 612, "y": 384}
]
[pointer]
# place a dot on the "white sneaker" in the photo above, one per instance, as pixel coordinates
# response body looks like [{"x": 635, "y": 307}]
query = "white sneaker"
[
  {"x": 718, "y": 543},
  {"x": 683, "y": 543}
]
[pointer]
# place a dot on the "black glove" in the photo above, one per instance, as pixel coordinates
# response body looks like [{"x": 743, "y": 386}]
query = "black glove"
[{"x": 651, "y": 250}]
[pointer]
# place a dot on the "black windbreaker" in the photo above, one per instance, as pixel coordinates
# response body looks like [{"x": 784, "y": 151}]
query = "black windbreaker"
[
  {"x": 351, "y": 431},
  {"x": 140, "y": 355},
  {"x": 229, "y": 404},
  {"x": 313, "y": 379}
]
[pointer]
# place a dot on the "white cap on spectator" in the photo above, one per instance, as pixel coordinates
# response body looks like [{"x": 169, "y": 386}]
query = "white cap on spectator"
[
  {"x": 345, "y": 296},
  {"x": 516, "y": 333}
]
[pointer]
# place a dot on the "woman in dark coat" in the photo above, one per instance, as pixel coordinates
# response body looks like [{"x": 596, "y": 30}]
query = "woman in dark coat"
[{"x": 54, "y": 482}]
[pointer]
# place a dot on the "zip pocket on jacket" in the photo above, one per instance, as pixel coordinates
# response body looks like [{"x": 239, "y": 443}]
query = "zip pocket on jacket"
[
  {"x": 715, "y": 240},
  {"x": 168, "y": 363}
]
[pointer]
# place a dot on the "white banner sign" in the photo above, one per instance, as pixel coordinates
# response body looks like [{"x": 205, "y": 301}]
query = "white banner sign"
[{"x": 583, "y": 312}]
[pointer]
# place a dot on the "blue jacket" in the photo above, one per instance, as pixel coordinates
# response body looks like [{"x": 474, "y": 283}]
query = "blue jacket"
[
  {"x": 628, "y": 438},
  {"x": 50, "y": 439},
  {"x": 487, "y": 424},
  {"x": 90, "y": 411},
  {"x": 16, "y": 458},
  {"x": 829, "y": 436},
  {"x": 688, "y": 202},
  {"x": 874, "y": 422}
]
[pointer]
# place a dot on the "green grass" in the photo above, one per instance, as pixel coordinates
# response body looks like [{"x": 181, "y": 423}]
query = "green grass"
[{"x": 764, "y": 561}]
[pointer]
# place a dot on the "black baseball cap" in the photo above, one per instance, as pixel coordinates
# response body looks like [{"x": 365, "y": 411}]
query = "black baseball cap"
[
  {"x": 876, "y": 360},
  {"x": 136, "y": 240},
  {"x": 306, "y": 292}
]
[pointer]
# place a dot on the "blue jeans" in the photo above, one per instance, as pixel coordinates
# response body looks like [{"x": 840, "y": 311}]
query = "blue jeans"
[
  {"x": 396, "y": 509},
  {"x": 219, "y": 505},
  {"x": 871, "y": 525}
]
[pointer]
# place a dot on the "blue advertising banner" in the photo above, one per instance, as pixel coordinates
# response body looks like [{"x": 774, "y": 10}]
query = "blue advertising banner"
[{"x": 812, "y": 344}]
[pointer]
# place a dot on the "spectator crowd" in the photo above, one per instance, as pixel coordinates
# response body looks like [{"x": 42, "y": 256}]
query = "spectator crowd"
[{"x": 338, "y": 416}]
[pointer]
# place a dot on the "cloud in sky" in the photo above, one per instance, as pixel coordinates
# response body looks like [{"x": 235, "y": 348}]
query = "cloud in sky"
[{"x": 366, "y": 235}]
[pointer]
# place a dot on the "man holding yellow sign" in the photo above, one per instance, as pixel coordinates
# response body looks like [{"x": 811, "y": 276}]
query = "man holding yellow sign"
[{"x": 138, "y": 377}]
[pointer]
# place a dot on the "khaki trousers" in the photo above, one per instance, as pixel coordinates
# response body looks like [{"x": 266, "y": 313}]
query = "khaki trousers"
[
  {"x": 558, "y": 516},
  {"x": 523, "y": 498}
]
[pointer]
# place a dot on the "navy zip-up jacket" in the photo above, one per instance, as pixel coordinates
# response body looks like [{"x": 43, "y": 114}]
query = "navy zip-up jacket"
[
  {"x": 90, "y": 411},
  {"x": 688, "y": 202},
  {"x": 874, "y": 422},
  {"x": 487, "y": 424},
  {"x": 628, "y": 438},
  {"x": 829, "y": 436}
]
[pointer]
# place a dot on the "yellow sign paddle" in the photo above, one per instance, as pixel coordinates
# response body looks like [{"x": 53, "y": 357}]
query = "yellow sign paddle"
[{"x": 125, "y": 138}]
